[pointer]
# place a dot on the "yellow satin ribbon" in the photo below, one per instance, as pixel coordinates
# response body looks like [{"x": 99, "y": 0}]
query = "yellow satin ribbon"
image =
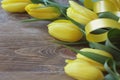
[
  {"x": 95, "y": 24},
  {"x": 99, "y": 24},
  {"x": 119, "y": 20},
  {"x": 98, "y": 7},
  {"x": 117, "y": 13},
  {"x": 107, "y": 5}
]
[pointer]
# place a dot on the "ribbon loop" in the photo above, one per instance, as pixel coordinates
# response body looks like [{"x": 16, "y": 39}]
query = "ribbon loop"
[{"x": 99, "y": 24}]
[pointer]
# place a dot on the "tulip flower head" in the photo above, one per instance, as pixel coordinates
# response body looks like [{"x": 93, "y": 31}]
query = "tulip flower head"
[
  {"x": 80, "y": 14},
  {"x": 41, "y": 11},
  {"x": 64, "y": 30},
  {"x": 15, "y": 5},
  {"x": 93, "y": 62},
  {"x": 82, "y": 70}
]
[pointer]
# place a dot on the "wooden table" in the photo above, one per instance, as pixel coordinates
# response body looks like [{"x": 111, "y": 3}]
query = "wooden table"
[{"x": 26, "y": 50}]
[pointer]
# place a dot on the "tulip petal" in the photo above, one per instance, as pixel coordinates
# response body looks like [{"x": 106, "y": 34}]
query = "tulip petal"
[
  {"x": 42, "y": 12},
  {"x": 15, "y": 5},
  {"x": 64, "y": 30}
]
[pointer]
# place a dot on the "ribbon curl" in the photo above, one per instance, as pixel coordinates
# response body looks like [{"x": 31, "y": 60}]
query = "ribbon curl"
[
  {"x": 107, "y": 5},
  {"x": 99, "y": 24},
  {"x": 112, "y": 6}
]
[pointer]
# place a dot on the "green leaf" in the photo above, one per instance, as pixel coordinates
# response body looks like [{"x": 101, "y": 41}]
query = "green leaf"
[
  {"x": 94, "y": 56},
  {"x": 31, "y": 20},
  {"x": 113, "y": 40},
  {"x": 62, "y": 8},
  {"x": 99, "y": 58},
  {"x": 99, "y": 31},
  {"x": 110, "y": 67},
  {"x": 108, "y": 15},
  {"x": 45, "y": 2},
  {"x": 81, "y": 2},
  {"x": 71, "y": 43},
  {"x": 113, "y": 52},
  {"x": 36, "y": 19},
  {"x": 39, "y": 1},
  {"x": 80, "y": 26},
  {"x": 112, "y": 44},
  {"x": 35, "y": 1},
  {"x": 109, "y": 77}
]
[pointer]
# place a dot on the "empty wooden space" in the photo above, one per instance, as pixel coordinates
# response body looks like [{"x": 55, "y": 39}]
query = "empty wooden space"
[{"x": 26, "y": 50}]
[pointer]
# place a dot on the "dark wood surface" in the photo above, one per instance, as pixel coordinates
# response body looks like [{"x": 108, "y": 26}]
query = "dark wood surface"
[{"x": 26, "y": 50}]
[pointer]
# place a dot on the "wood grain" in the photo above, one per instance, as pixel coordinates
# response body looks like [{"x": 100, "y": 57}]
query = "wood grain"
[{"x": 26, "y": 50}]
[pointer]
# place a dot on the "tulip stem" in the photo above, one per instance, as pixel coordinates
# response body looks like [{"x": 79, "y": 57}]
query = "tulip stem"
[
  {"x": 36, "y": 19},
  {"x": 70, "y": 43}
]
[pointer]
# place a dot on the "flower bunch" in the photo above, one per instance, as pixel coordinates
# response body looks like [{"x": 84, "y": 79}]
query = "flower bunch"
[{"x": 95, "y": 23}]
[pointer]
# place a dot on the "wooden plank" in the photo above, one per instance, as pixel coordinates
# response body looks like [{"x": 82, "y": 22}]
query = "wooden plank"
[
  {"x": 26, "y": 50},
  {"x": 33, "y": 76}
]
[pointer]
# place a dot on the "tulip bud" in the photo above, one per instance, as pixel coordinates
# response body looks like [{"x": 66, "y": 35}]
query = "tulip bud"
[
  {"x": 79, "y": 13},
  {"x": 82, "y": 70},
  {"x": 64, "y": 30},
  {"x": 15, "y": 5},
  {"x": 42, "y": 12},
  {"x": 96, "y": 51}
]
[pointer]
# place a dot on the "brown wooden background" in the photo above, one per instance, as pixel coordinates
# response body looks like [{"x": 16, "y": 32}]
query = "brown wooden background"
[{"x": 26, "y": 50}]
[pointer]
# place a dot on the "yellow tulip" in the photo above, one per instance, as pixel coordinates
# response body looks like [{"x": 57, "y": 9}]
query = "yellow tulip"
[
  {"x": 96, "y": 51},
  {"x": 82, "y": 70},
  {"x": 64, "y": 30},
  {"x": 80, "y": 14},
  {"x": 15, "y": 5},
  {"x": 42, "y": 12}
]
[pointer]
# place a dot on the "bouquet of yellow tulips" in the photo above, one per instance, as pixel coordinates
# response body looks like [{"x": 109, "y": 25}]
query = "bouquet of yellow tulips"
[{"x": 92, "y": 22}]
